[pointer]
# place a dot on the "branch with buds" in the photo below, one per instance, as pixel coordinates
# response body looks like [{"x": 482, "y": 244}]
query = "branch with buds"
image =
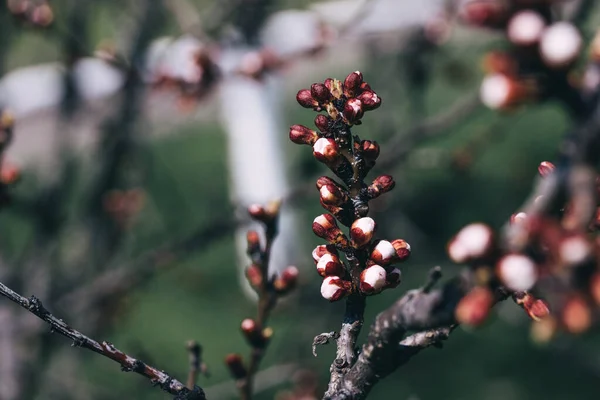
[{"x": 268, "y": 288}]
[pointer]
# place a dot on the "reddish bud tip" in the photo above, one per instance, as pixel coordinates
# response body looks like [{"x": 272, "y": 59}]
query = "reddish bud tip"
[
  {"x": 369, "y": 99},
  {"x": 320, "y": 93},
  {"x": 382, "y": 184},
  {"x": 236, "y": 366},
  {"x": 253, "y": 240},
  {"x": 576, "y": 315},
  {"x": 300, "y": 134},
  {"x": 323, "y": 122},
  {"x": 257, "y": 211},
  {"x": 330, "y": 265},
  {"x": 370, "y": 149},
  {"x": 546, "y": 168},
  {"x": 474, "y": 308},
  {"x": 323, "y": 249},
  {"x": 538, "y": 310},
  {"x": 402, "y": 249},
  {"x": 254, "y": 275},
  {"x": 362, "y": 231},
  {"x": 305, "y": 99},
  {"x": 332, "y": 195},
  {"x": 384, "y": 253},
  {"x": 352, "y": 83},
  {"x": 9, "y": 174},
  {"x": 287, "y": 280},
  {"x": 326, "y": 150}
]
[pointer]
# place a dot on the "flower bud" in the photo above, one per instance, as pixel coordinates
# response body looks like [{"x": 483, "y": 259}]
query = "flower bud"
[
  {"x": 320, "y": 93},
  {"x": 323, "y": 122},
  {"x": 502, "y": 92},
  {"x": 472, "y": 242},
  {"x": 236, "y": 366},
  {"x": 574, "y": 250},
  {"x": 287, "y": 280},
  {"x": 353, "y": 110},
  {"x": 326, "y": 150},
  {"x": 517, "y": 272},
  {"x": 560, "y": 45},
  {"x": 474, "y": 308},
  {"x": 254, "y": 276},
  {"x": 330, "y": 265},
  {"x": 370, "y": 149},
  {"x": 352, "y": 83},
  {"x": 332, "y": 195},
  {"x": 325, "y": 226},
  {"x": 518, "y": 218},
  {"x": 325, "y": 180},
  {"x": 257, "y": 211},
  {"x": 373, "y": 279},
  {"x": 525, "y": 28},
  {"x": 498, "y": 62},
  {"x": 362, "y": 231},
  {"x": 334, "y": 288},
  {"x": 538, "y": 310},
  {"x": 382, "y": 184},
  {"x": 364, "y": 86},
  {"x": 402, "y": 249},
  {"x": 253, "y": 334},
  {"x": 576, "y": 315},
  {"x": 546, "y": 168},
  {"x": 369, "y": 99},
  {"x": 393, "y": 277},
  {"x": 305, "y": 99},
  {"x": 253, "y": 241},
  {"x": 383, "y": 253},
  {"x": 323, "y": 249},
  {"x": 300, "y": 134}
]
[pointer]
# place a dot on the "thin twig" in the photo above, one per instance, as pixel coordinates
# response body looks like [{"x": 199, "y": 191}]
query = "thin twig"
[{"x": 106, "y": 349}]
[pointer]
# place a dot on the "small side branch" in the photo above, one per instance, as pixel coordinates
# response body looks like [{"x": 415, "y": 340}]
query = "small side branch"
[{"x": 106, "y": 349}]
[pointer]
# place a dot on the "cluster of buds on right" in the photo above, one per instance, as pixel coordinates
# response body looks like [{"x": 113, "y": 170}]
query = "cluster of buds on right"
[
  {"x": 38, "y": 13},
  {"x": 9, "y": 173},
  {"x": 543, "y": 50},
  {"x": 369, "y": 266}
]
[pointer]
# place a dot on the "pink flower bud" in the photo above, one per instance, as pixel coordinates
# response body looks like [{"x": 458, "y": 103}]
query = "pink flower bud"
[
  {"x": 334, "y": 288},
  {"x": 353, "y": 110},
  {"x": 546, "y": 168},
  {"x": 323, "y": 122},
  {"x": 402, "y": 249},
  {"x": 383, "y": 253},
  {"x": 300, "y": 134},
  {"x": 365, "y": 86},
  {"x": 320, "y": 93},
  {"x": 382, "y": 184},
  {"x": 560, "y": 45},
  {"x": 324, "y": 181},
  {"x": 352, "y": 83},
  {"x": 500, "y": 91},
  {"x": 305, "y": 99},
  {"x": 525, "y": 28},
  {"x": 330, "y": 265},
  {"x": 486, "y": 13},
  {"x": 287, "y": 280},
  {"x": 472, "y": 242},
  {"x": 9, "y": 173},
  {"x": 474, "y": 308},
  {"x": 254, "y": 275},
  {"x": 323, "y": 249},
  {"x": 393, "y": 278},
  {"x": 373, "y": 279},
  {"x": 257, "y": 211},
  {"x": 324, "y": 223},
  {"x": 517, "y": 272},
  {"x": 362, "y": 231},
  {"x": 332, "y": 195},
  {"x": 369, "y": 99},
  {"x": 326, "y": 150},
  {"x": 574, "y": 250}
]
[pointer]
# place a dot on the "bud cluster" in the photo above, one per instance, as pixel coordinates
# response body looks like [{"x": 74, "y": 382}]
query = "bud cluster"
[
  {"x": 542, "y": 49},
  {"x": 369, "y": 262},
  {"x": 9, "y": 173},
  {"x": 554, "y": 248}
]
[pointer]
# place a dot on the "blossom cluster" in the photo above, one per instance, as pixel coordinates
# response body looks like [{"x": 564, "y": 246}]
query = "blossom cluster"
[{"x": 369, "y": 266}]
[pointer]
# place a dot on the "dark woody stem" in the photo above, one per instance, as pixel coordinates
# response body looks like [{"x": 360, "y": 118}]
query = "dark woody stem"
[{"x": 106, "y": 349}]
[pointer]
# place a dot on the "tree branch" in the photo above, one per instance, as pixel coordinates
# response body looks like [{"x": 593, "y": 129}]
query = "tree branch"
[{"x": 106, "y": 349}]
